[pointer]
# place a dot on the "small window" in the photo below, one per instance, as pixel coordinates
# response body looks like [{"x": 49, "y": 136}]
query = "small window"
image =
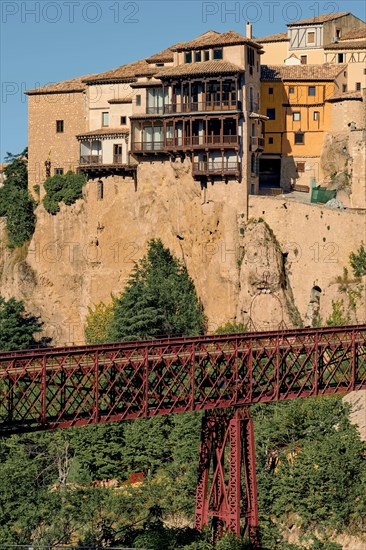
[
  {"x": 59, "y": 126},
  {"x": 271, "y": 113},
  {"x": 270, "y": 91},
  {"x": 105, "y": 119},
  {"x": 296, "y": 116},
  {"x": 358, "y": 86},
  {"x": 138, "y": 100},
  {"x": 303, "y": 59},
  {"x": 206, "y": 54},
  {"x": 340, "y": 58},
  {"x": 364, "y": 71},
  {"x": 311, "y": 90},
  {"x": 344, "y": 87},
  {"x": 311, "y": 37},
  {"x": 299, "y": 138},
  {"x": 270, "y": 141},
  {"x": 291, "y": 90},
  {"x": 123, "y": 120},
  {"x": 300, "y": 167},
  {"x": 197, "y": 56},
  {"x": 59, "y": 171},
  {"x": 316, "y": 115},
  {"x": 188, "y": 57},
  {"x": 100, "y": 190},
  {"x": 217, "y": 54},
  {"x": 345, "y": 74},
  {"x": 338, "y": 33}
]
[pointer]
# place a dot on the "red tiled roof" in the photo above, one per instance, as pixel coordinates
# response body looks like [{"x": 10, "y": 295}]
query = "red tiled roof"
[
  {"x": 213, "y": 38},
  {"x": 323, "y": 18},
  {"x": 66, "y": 86},
  {"x": 347, "y": 45},
  {"x": 279, "y": 37},
  {"x": 105, "y": 132},
  {"x": 327, "y": 71},
  {"x": 201, "y": 68},
  {"x": 124, "y": 73},
  {"x": 354, "y": 33},
  {"x": 344, "y": 96},
  {"x": 165, "y": 56}
]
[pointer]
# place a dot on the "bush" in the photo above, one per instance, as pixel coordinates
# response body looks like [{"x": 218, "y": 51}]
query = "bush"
[{"x": 65, "y": 188}]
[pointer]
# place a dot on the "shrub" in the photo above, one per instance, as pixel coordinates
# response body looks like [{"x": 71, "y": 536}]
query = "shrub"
[{"x": 66, "y": 188}]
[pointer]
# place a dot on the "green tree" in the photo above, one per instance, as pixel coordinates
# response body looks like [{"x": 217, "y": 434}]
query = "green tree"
[
  {"x": 98, "y": 321},
  {"x": 231, "y": 328},
  {"x": 358, "y": 261},
  {"x": 65, "y": 188},
  {"x": 16, "y": 204},
  {"x": 17, "y": 327},
  {"x": 159, "y": 299}
]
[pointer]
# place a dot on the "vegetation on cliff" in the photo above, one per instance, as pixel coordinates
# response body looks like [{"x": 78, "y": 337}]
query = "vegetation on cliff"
[
  {"x": 159, "y": 300},
  {"x": 66, "y": 188},
  {"x": 16, "y": 204},
  {"x": 17, "y": 327}
]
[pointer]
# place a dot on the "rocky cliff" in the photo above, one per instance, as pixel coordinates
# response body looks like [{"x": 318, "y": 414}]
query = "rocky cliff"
[{"x": 255, "y": 263}]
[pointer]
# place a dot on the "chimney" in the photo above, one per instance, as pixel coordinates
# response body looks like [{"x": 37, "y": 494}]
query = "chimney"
[{"x": 249, "y": 30}]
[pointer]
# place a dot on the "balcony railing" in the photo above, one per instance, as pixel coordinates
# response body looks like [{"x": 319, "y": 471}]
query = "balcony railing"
[
  {"x": 256, "y": 143},
  {"x": 155, "y": 110},
  {"x": 204, "y": 140},
  {"x": 148, "y": 146},
  {"x": 91, "y": 159},
  {"x": 117, "y": 159},
  {"x": 197, "y": 106},
  {"x": 216, "y": 167}
]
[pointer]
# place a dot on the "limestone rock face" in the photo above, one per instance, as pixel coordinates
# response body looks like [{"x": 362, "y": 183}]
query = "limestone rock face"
[{"x": 265, "y": 299}]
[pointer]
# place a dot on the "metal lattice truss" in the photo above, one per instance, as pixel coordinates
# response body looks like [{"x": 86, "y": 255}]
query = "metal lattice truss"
[{"x": 57, "y": 388}]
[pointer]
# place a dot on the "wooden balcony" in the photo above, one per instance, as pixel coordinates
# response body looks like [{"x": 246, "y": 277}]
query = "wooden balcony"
[
  {"x": 196, "y": 106},
  {"x": 147, "y": 146},
  {"x": 256, "y": 143},
  {"x": 91, "y": 160},
  {"x": 217, "y": 167},
  {"x": 203, "y": 141}
]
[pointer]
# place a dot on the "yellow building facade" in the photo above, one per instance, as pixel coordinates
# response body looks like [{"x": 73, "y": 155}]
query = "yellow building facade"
[{"x": 294, "y": 100}]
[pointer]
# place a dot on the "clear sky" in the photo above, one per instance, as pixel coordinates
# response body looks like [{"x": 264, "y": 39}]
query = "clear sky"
[{"x": 45, "y": 41}]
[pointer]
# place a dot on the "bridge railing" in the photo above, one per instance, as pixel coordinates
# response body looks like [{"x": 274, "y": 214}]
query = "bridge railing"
[{"x": 61, "y": 387}]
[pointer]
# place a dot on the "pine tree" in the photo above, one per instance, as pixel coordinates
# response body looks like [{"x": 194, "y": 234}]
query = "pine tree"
[
  {"x": 159, "y": 299},
  {"x": 17, "y": 327}
]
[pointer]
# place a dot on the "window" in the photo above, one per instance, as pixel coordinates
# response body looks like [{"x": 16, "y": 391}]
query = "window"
[
  {"x": 338, "y": 33},
  {"x": 311, "y": 90},
  {"x": 296, "y": 116},
  {"x": 300, "y": 166},
  {"x": 138, "y": 100},
  {"x": 250, "y": 56},
  {"x": 358, "y": 86},
  {"x": 100, "y": 190},
  {"x": 159, "y": 64},
  {"x": 123, "y": 120},
  {"x": 345, "y": 74},
  {"x": 59, "y": 171},
  {"x": 316, "y": 115},
  {"x": 206, "y": 54},
  {"x": 271, "y": 113},
  {"x": 59, "y": 126},
  {"x": 340, "y": 58},
  {"x": 291, "y": 90},
  {"x": 311, "y": 37},
  {"x": 188, "y": 57},
  {"x": 270, "y": 91},
  {"x": 344, "y": 87},
  {"x": 217, "y": 54},
  {"x": 105, "y": 119},
  {"x": 303, "y": 59},
  {"x": 252, "y": 163},
  {"x": 270, "y": 141},
  {"x": 197, "y": 56},
  {"x": 299, "y": 138},
  {"x": 364, "y": 71}
]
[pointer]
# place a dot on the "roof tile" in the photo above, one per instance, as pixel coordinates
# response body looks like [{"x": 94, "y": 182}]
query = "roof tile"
[
  {"x": 323, "y": 18},
  {"x": 327, "y": 71},
  {"x": 201, "y": 68},
  {"x": 213, "y": 38}
]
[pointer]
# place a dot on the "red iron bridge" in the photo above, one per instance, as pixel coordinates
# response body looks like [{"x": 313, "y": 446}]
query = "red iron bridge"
[{"x": 223, "y": 375}]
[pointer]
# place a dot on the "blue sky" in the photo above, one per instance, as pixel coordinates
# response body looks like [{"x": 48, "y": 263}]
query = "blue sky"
[{"x": 45, "y": 41}]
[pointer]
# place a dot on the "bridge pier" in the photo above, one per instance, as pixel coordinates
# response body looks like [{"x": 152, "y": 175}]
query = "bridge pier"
[{"x": 226, "y": 495}]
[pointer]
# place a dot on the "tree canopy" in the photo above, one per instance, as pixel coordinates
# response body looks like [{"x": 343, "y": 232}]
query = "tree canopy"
[
  {"x": 17, "y": 327},
  {"x": 16, "y": 204}
]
